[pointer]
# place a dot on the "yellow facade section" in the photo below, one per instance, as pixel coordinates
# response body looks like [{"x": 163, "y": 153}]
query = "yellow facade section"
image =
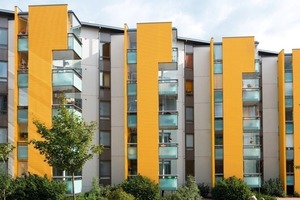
[
  {"x": 281, "y": 118},
  {"x": 212, "y": 111},
  {"x": 47, "y": 31},
  {"x": 125, "y": 100},
  {"x": 296, "y": 117},
  {"x": 154, "y": 45},
  {"x": 238, "y": 57}
]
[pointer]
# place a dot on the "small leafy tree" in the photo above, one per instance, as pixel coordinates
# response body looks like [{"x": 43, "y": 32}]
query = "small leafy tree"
[
  {"x": 273, "y": 187},
  {"x": 120, "y": 194},
  {"x": 67, "y": 145},
  {"x": 6, "y": 179},
  {"x": 231, "y": 188},
  {"x": 141, "y": 187},
  {"x": 204, "y": 189}
]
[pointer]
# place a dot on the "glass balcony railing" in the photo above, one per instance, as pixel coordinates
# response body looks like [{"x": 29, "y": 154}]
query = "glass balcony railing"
[
  {"x": 289, "y": 128},
  {"x": 218, "y": 124},
  {"x": 74, "y": 44},
  {"x": 132, "y": 151},
  {"x": 290, "y": 180},
  {"x": 131, "y": 121},
  {"x": 68, "y": 181},
  {"x": 67, "y": 78},
  {"x": 288, "y": 102},
  {"x": 72, "y": 108},
  {"x": 23, "y": 43},
  {"x": 22, "y": 80},
  {"x": 168, "y": 182},
  {"x": 168, "y": 87},
  {"x": 218, "y": 152},
  {"x": 131, "y": 88},
  {"x": 251, "y": 153},
  {"x": 251, "y": 124},
  {"x": 131, "y": 56},
  {"x": 257, "y": 65},
  {"x": 290, "y": 154},
  {"x": 22, "y": 115},
  {"x": 251, "y": 96},
  {"x": 288, "y": 77},
  {"x": 174, "y": 55},
  {"x": 168, "y": 120},
  {"x": 168, "y": 151},
  {"x": 253, "y": 181}
]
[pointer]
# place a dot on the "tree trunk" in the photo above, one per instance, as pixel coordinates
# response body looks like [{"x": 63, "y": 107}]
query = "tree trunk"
[{"x": 73, "y": 186}]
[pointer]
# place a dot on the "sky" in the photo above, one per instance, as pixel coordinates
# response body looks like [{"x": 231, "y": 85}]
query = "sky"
[{"x": 275, "y": 24}]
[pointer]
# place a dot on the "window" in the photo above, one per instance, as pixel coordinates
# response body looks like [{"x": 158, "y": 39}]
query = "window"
[
  {"x": 104, "y": 110},
  {"x": 22, "y": 151},
  {"x": 188, "y": 87},
  {"x": 218, "y": 96},
  {"x": 189, "y": 168},
  {"x": 288, "y": 89},
  {"x": 104, "y": 79},
  {"x": 105, "y": 138},
  {"x": 189, "y": 56},
  {"x": 3, "y": 71},
  {"x": 167, "y": 104},
  {"x": 104, "y": 51},
  {"x": 105, "y": 170},
  {"x": 165, "y": 167},
  {"x": 289, "y": 115},
  {"x": 289, "y": 141},
  {"x": 3, "y": 38},
  {"x": 218, "y": 52},
  {"x": 23, "y": 96},
  {"x": 218, "y": 109},
  {"x": 189, "y": 114},
  {"x": 3, "y": 104},
  {"x": 289, "y": 128},
  {"x": 3, "y": 135},
  {"x": 250, "y": 111},
  {"x": 165, "y": 137},
  {"x": 218, "y": 68},
  {"x": 219, "y": 166},
  {"x": 189, "y": 141},
  {"x": 131, "y": 103},
  {"x": 251, "y": 166},
  {"x": 251, "y": 139},
  {"x": 219, "y": 139}
]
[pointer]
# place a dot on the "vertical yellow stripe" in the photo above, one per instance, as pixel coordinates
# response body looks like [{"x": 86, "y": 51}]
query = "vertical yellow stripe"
[
  {"x": 212, "y": 111},
  {"x": 238, "y": 57},
  {"x": 154, "y": 45},
  {"x": 281, "y": 118},
  {"x": 125, "y": 101}
]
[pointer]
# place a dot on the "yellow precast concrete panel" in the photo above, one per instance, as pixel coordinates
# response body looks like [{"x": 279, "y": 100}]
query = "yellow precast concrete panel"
[
  {"x": 154, "y": 45},
  {"x": 212, "y": 111},
  {"x": 296, "y": 117},
  {"x": 125, "y": 100},
  {"x": 281, "y": 118},
  {"x": 47, "y": 31},
  {"x": 238, "y": 57}
]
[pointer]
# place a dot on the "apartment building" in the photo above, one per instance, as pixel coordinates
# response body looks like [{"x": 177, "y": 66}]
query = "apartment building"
[{"x": 166, "y": 106}]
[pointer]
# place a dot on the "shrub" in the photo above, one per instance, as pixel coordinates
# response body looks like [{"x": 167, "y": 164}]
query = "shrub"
[
  {"x": 120, "y": 195},
  {"x": 273, "y": 187},
  {"x": 204, "y": 189},
  {"x": 231, "y": 188},
  {"x": 97, "y": 192},
  {"x": 265, "y": 197},
  {"x": 141, "y": 187}
]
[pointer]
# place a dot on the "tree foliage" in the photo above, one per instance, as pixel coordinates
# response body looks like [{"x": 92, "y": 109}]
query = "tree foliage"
[
  {"x": 273, "y": 187},
  {"x": 5, "y": 150}
]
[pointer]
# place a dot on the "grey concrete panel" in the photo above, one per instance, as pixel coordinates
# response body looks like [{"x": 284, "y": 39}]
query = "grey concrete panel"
[
  {"x": 202, "y": 61},
  {"x": 203, "y": 169},
  {"x": 90, "y": 80},
  {"x": 202, "y": 143},
  {"x": 117, "y": 82},
  {"x": 270, "y": 120},
  {"x": 117, "y": 110},
  {"x": 202, "y": 89},
  {"x": 270, "y": 144},
  {"x": 202, "y": 116},
  {"x": 271, "y": 168},
  {"x": 269, "y": 70},
  {"x": 117, "y": 169},
  {"x": 270, "y": 96}
]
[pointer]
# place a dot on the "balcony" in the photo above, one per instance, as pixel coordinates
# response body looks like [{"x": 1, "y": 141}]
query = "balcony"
[
  {"x": 67, "y": 78},
  {"x": 218, "y": 124},
  {"x": 22, "y": 115},
  {"x": 168, "y": 182},
  {"x": 289, "y": 102},
  {"x": 251, "y": 95},
  {"x": 168, "y": 120},
  {"x": 22, "y": 80},
  {"x": 175, "y": 55},
  {"x": 68, "y": 181},
  {"x": 74, "y": 44},
  {"x": 168, "y": 87},
  {"x": 131, "y": 56},
  {"x": 253, "y": 181},
  {"x": 168, "y": 151},
  {"x": 251, "y": 152},
  {"x": 71, "y": 107},
  {"x": 290, "y": 180},
  {"x": 132, "y": 151},
  {"x": 219, "y": 152},
  {"x": 23, "y": 43},
  {"x": 131, "y": 121},
  {"x": 131, "y": 88},
  {"x": 251, "y": 124},
  {"x": 290, "y": 154}
]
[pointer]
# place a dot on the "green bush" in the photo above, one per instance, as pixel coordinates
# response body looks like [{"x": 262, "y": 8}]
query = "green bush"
[
  {"x": 97, "y": 192},
  {"x": 265, "y": 197},
  {"x": 273, "y": 187},
  {"x": 141, "y": 187},
  {"x": 204, "y": 189},
  {"x": 36, "y": 187},
  {"x": 120, "y": 195},
  {"x": 231, "y": 188}
]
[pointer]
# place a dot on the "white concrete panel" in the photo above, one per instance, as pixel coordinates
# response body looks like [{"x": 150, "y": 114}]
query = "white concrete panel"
[
  {"x": 202, "y": 89},
  {"x": 118, "y": 110},
  {"x": 90, "y": 80},
  {"x": 117, "y": 75},
  {"x": 202, "y": 61}
]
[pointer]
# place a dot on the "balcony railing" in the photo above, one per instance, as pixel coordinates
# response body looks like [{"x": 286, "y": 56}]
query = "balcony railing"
[
  {"x": 251, "y": 152},
  {"x": 168, "y": 120},
  {"x": 175, "y": 55},
  {"x": 251, "y": 95},
  {"x": 168, "y": 87},
  {"x": 23, "y": 80},
  {"x": 251, "y": 124},
  {"x": 132, "y": 151},
  {"x": 22, "y": 115},
  {"x": 290, "y": 154},
  {"x": 289, "y": 102},
  {"x": 67, "y": 78},
  {"x": 131, "y": 56},
  {"x": 168, "y": 151},
  {"x": 218, "y": 152},
  {"x": 290, "y": 180},
  {"x": 68, "y": 181},
  {"x": 131, "y": 121},
  {"x": 74, "y": 44},
  {"x": 131, "y": 88},
  {"x": 218, "y": 124},
  {"x": 71, "y": 107},
  {"x": 253, "y": 180},
  {"x": 168, "y": 182},
  {"x": 23, "y": 43}
]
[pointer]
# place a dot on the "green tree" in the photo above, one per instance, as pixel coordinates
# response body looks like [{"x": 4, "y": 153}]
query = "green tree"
[
  {"x": 6, "y": 179},
  {"x": 67, "y": 145}
]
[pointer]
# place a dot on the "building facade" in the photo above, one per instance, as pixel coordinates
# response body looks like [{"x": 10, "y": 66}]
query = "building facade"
[{"x": 166, "y": 106}]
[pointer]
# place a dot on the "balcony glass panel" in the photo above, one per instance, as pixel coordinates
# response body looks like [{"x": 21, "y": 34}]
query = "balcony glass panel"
[
  {"x": 289, "y": 140},
  {"x": 250, "y": 83},
  {"x": 290, "y": 154},
  {"x": 168, "y": 182},
  {"x": 218, "y": 68},
  {"x": 67, "y": 78},
  {"x": 131, "y": 121},
  {"x": 132, "y": 105},
  {"x": 290, "y": 180},
  {"x": 288, "y": 89},
  {"x": 168, "y": 120},
  {"x": 218, "y": 109},
  {"x": 23, "y": 43},
  {"x": 253, "y": 181},
  {"x": 288, "y": 102},
  {"x": 288, "y": 77},
  {"x": 22, "y": 115},
  {"x": 289, "y": 128},
  {"x": 251, "y": 167},
  {"x": 68, "y": 180},
  {"x": 251, "y": 124},
  {"x": 174, "y": 55},
  {"x": 251, "y": 96},
  {"x": 131, "y": 56},
  {"x": 218, "y": 52},
  {"x": 23, "y": 80},
  {"x": 168, "y": 151},
  {"x": 131, "y": 88},
  {"x": 218, "y": 96},
  {"x": 218, "y": 125},
  {"x": 251, "y": 153},
  {"x": 74, "y": 44},
  {"x": 219, "y": 152},
  {"x": 132, "y": 151},
  {"x": 23, "y": 96},
  {"x": 22, "y": 152},
  {"x": 71, "y": 108},
  {"x": 168, "y": 88},
  {"x": 257, "y": 65}
]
